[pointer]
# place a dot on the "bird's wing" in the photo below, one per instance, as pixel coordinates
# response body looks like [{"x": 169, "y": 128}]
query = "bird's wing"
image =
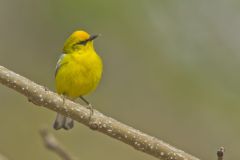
[{"x": 60, "y": 63}]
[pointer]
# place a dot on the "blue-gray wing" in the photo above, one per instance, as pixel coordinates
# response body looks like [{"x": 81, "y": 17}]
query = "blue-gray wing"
[{"x": 59, "y": 64}]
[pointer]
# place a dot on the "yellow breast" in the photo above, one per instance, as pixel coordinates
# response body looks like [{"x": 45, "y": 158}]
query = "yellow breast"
[{"x": 78, "y": 74}]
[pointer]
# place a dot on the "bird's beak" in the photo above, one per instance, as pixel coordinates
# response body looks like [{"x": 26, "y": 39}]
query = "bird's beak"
[{"x": 92, "y": 37}]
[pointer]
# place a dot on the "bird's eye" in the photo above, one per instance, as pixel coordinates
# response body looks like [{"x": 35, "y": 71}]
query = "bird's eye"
[{"x": 83, "y": 42}]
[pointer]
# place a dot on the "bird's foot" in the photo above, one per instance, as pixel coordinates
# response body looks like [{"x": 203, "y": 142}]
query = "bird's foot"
[
  {"x": 63, "y": 99},
  {"x": 90, "y": 107}
]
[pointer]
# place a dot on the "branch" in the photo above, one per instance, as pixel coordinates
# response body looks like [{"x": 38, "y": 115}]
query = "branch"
[
  {"x": 41, "y": 96},
  {"x": 52, "y": 144},
  {"x": 220, "y": 153}
]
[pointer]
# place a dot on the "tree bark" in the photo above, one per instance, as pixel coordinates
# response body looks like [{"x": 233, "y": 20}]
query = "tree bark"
[{"x": 41, "y": 96}]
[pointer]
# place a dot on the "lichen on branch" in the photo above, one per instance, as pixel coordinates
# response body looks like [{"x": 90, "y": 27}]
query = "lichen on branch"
[{"x": 40, "y": 95}]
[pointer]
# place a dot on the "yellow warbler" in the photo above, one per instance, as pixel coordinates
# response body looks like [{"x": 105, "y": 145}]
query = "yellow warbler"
[{"x": 78, "y": 71}]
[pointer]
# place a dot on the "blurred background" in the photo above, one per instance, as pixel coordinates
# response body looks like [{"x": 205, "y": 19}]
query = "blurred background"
[{"x": 171, "y": 69}]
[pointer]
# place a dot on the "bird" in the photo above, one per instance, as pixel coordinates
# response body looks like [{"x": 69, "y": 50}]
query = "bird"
[{"x": 78, "y": 72}]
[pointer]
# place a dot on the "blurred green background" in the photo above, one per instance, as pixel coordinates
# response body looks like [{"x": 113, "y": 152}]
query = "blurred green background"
[{"x": 171, "y": 69}]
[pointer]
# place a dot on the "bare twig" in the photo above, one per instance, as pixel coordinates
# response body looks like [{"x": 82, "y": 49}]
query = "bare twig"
[
  {"x": 220, "y": 153},
  {"x": 52, "y": 144},
  {"x": 41, "y": 96}
]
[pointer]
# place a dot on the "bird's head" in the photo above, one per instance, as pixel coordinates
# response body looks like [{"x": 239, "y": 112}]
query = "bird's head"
[{"x": 79, "y": 41}]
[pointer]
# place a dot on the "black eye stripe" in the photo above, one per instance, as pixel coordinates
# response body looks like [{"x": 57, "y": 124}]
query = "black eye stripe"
[
  {"x": 92, "y": 37},
  {"x": 83, "y": 42}
]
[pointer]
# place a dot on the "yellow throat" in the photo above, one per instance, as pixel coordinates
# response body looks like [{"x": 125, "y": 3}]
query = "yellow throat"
[{"x": 79, "y": 69}]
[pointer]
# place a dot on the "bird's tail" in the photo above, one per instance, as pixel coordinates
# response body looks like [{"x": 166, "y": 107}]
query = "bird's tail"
[{"x": 63, "y": 122}]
